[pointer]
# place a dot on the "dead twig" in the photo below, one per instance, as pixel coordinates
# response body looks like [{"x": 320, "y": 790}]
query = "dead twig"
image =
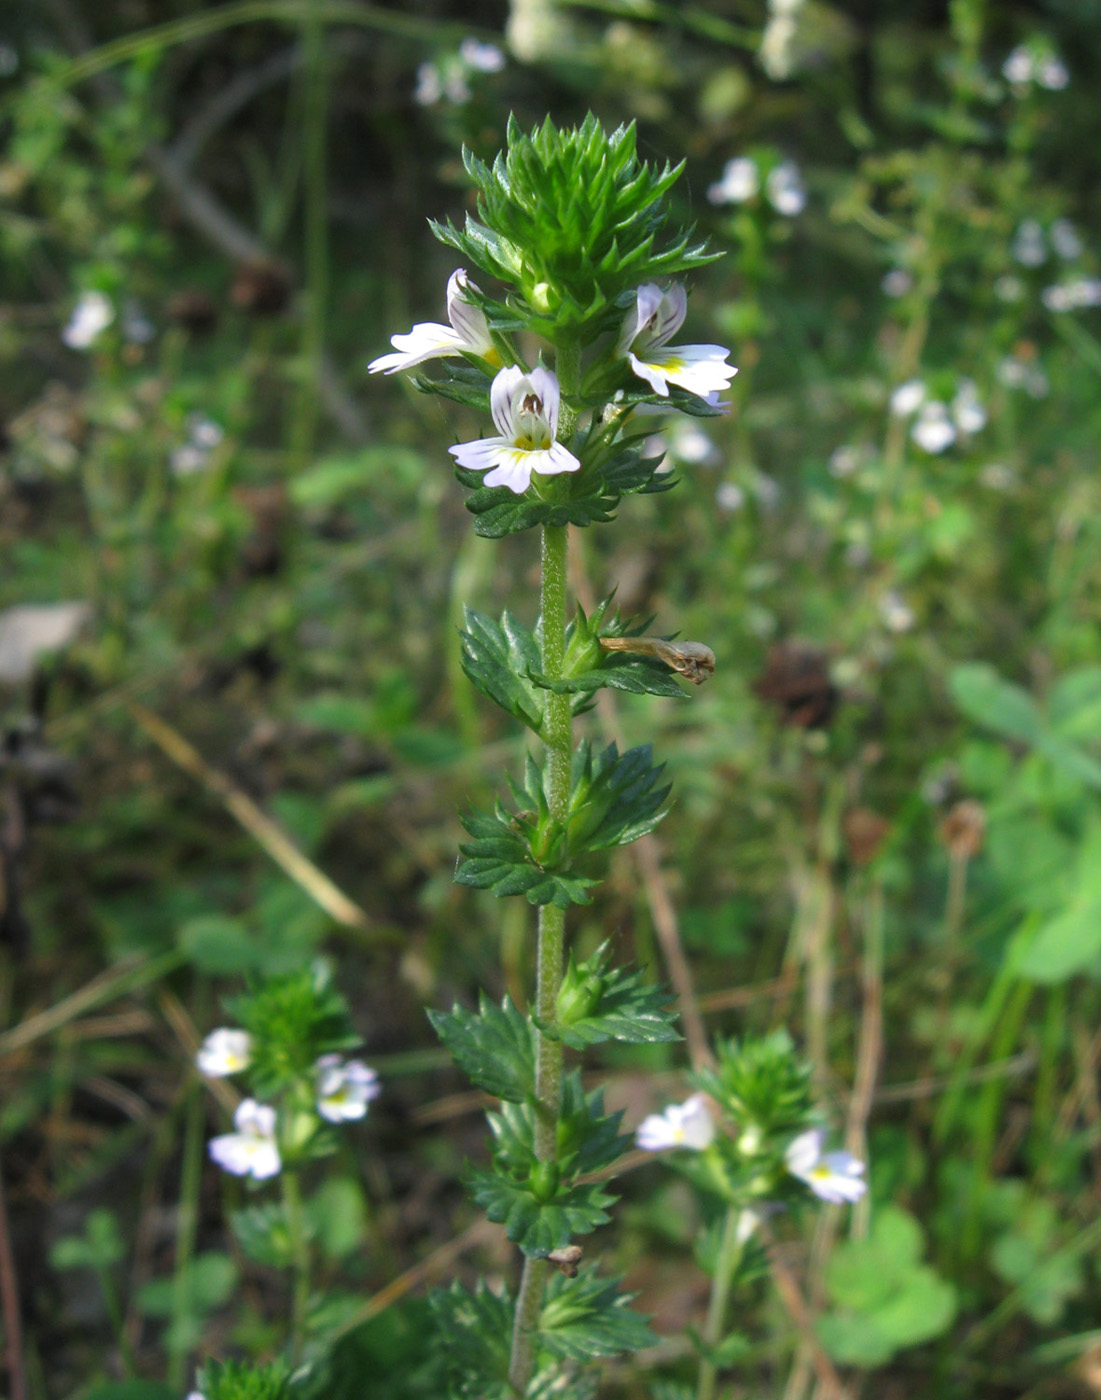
[{"x": 258, "y": 824}]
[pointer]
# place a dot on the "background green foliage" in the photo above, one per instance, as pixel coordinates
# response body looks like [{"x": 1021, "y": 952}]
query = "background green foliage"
[{"x": 886, "y": 800}]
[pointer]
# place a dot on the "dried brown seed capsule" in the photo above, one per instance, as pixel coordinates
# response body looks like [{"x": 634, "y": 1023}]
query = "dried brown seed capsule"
[
  {"x": 261, "y": 288},
  {"x": 797, "y": 680},
  {"x": 963, "y": 829},
  {"x": 692, "y": 660},
  {"x": 566, "y": 1260}
]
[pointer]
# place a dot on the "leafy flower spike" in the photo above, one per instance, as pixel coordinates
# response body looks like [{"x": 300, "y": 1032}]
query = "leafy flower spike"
[
  {"x": 687, "y": 1124},
  {"x": 468, "y": 333},
  {"x": 833, "y": 1176},
  {"x": 251, "y": 1150},
  {"x": 525, "y": 411},
  {"x": 656, "y": 316}
]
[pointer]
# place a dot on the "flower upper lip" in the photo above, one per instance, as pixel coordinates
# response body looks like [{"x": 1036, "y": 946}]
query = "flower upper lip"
[{"x": 653, "y": 320}]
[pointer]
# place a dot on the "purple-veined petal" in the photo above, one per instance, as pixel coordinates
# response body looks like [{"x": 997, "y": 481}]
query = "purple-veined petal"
[
  {"x": 467, "y": 318},
  {"x": 504, "y": 399},
  {"x": 546, "y": 387}
]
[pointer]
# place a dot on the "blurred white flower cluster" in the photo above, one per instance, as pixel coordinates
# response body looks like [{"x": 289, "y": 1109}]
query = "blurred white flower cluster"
[
  {"x": 937, "y": 424},
  {"x": 777, "y": 53},
  {"x": 741, "y": 181},
  {"x": 92, "y": 314},
  {"x": 342, "y": 1090},
  {"x": 1035, "y": 63},
  {"x": 204, "y": 435},
  {"x": 447, "y": 79}
]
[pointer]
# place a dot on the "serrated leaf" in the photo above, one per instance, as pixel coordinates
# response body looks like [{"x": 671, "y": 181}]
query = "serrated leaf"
[
  {"x": 538, "y": 1227},
  {"x": 494, "y": 1048},
  {"x": 496, "y": 658},
  {"x": 585, "y": 1317},
  {"x": 462, "y": 383},
  {"x": 473, "y": 1331},
  {"x": 614, "y": 798},
  {"x": 587, "y": 1137},
  {"x": 624, "y": 1009}
]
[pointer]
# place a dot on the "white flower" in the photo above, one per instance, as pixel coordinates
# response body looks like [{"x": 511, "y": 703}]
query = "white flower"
[
  {"x": 483, "y": 58},
  {"x": 251, "y": 1150},
  {"x": 1065, "y": 240},
  {"x": 525, "y": 411},
  {"x": 933, "y": 429},
  {"x": 429, "y": 87},
  {"x": 834, "y": 1177},
  {"x": 967, "y": 408},
  {"x": 907, "y": 398},
  {"x": 897, "y": 282},
  {"x": 687, "y": 1124},
  {"x": 1052, "y": 73},
  {"x": 1028, "y": 244},
  {"x": 344, "y": 1088},
  {"x": 1070, "y": 296},
  {"x": 729, "y": 496},
  {"x": 691, "y": 445},
  {"x": 1009, "y": 288},
  {"x": 845, "y": 461},
  {"x": 1018, "y": 67},
  {"x": 224, "y": 1051},
  {"x": 455, "y": 87},
  {"x": 784, "y": 189},
  {"x": 655, "y": 317},
  {"x": 777, "y": 52},
  {"x": 205, "y": 432},
  {"x": 468, "y": 333},
  {"x": 897, "y": 614},
  {"x": 136, "y": 325},
  {"x": 188, "y": 460},
  {"x": 740, "y": 180},
  {"x": 91, "y": 316}
]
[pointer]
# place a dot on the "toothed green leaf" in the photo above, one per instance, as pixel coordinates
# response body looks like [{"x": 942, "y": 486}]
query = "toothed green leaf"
[{"x": 494, "y": 1048}]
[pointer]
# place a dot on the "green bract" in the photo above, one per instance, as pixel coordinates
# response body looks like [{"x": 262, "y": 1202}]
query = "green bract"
[
  {"x": 574, "y": 221},
  {"x": 293, "y": 1021},
  {"x": 763, "y": 1084}
]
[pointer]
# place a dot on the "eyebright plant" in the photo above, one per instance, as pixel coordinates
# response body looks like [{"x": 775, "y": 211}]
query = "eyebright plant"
[
  {"x": 572, "y": 241},
  {"x": 290, "y": 1051}
]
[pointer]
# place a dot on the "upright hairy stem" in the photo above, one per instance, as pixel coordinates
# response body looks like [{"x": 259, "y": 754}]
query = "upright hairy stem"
[
  {"x": 552, "y": 921},
  {"x": 730, "y": 1253},
  {"x": 300, "y": 1262}
]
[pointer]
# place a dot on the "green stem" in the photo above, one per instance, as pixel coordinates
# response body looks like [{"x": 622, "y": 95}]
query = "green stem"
[
  {"x": 186, "y": 1228},
  {"x": 726, "y": 1266},
  {"x": 300, "y": 1261},
  {"x": 558, "y": 729},
  {"x": 316, "y": 233}
]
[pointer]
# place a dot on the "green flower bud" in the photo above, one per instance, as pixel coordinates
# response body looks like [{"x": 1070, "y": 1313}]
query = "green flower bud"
[
  {"x": 543, "y": 1181},
  {"x": 540, "y": 298}
]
